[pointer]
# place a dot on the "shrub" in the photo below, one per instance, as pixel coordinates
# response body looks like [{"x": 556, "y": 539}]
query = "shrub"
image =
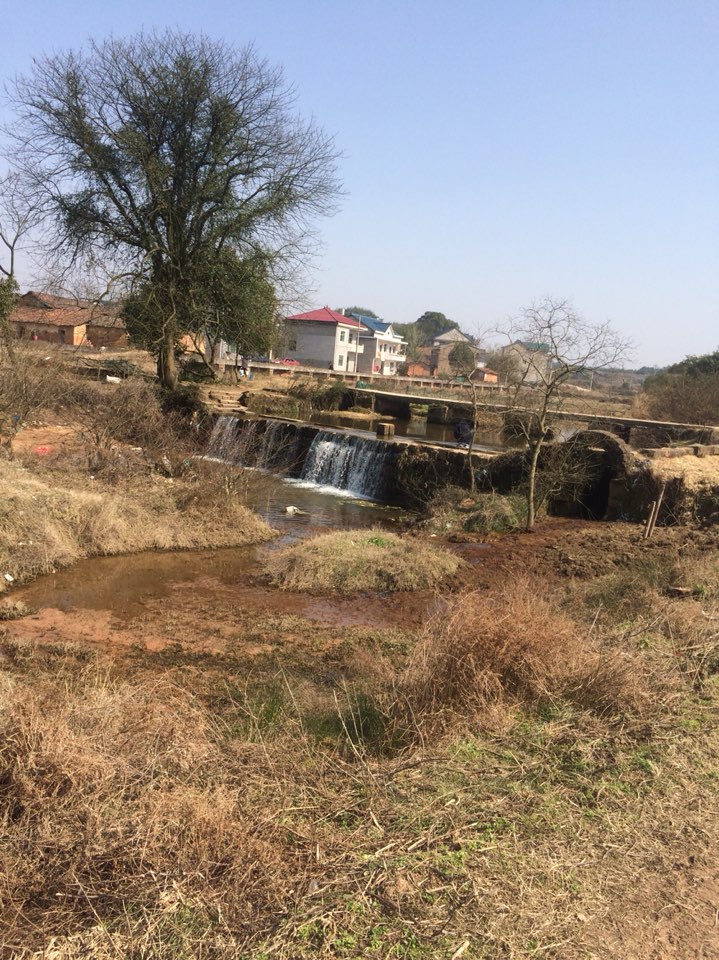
[
  {"x": 358, "y": 561},
  {"x": 132, "y": 412},
  {"x": 512, "y": 648},
  {"x": 497, "y": 514}
]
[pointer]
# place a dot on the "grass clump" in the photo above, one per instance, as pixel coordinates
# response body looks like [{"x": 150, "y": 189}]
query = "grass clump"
[
  {"x": 371, "y": 560},
  {"x": 493, "y": 513},
  {"x": 13, "y": 610},
  {"x": 453, "y": 509},
  {"x": 514, "y": 648}
]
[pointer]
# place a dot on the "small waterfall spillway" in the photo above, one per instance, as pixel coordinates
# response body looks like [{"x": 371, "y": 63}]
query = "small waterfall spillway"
[
  {"x": 358, "y": 465},
  {"x": 262, "y": 444},
  {"x": 223, "y": 441},
  {"x": 328, "y": 459}
]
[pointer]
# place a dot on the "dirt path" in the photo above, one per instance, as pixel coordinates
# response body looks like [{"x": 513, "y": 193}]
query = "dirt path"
[{"x": 671, "y": 917}]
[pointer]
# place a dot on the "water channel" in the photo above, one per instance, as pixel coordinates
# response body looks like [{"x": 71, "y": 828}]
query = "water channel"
[
  {"x": 123, "y": 587},
  {"x": 337, "y": 487}
]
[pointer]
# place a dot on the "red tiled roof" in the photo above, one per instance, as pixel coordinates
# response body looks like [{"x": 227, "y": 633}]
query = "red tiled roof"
[
  {"x": 48, "y": 309},
  {"x": 325, "y": 315}
]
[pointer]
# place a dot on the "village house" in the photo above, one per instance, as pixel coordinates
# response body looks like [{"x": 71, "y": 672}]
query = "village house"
[
  {"x": 532, "y": 362},
  {"x": 417, "y": 368},
  {"x": 484, "y": 375},
  {"x": 436, "y": 352},
  {"x": 384, "y": 350},
  {"x": 65, "y": 320},
  {"x": 324, "y": 338}
]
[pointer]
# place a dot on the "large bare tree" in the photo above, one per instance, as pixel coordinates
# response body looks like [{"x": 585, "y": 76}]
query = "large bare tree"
[
  {"x": 154, "y": 154},
  {"x": 549, "y": 343}
]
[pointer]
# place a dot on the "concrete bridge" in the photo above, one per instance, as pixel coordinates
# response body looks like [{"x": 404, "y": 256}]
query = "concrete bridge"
[{"x": 633, "y": 429}]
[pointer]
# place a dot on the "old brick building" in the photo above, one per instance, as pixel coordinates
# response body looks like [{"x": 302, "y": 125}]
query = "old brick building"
[{"x": 53, "y": 319}]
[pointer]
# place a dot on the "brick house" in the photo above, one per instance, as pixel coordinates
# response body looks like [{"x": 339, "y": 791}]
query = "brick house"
[
  {"x": 53, "y": 319},
  {"x": 436, "y": 352},
  {"x": 105, "y": 327}
]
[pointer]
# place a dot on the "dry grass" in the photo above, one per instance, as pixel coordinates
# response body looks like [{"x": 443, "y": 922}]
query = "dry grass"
[
  {"x": 361, "y": 560},
  {"x": 138, "y": 818},
  {"x": 695, "y": 471},
  {"x": 44, "y": 525},
  {"x": 114, "y": 805},
  {"x": 515, "y": 647}
]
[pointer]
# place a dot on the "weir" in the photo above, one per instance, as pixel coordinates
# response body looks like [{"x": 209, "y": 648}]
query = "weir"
[{"x": 361, "y": 466}]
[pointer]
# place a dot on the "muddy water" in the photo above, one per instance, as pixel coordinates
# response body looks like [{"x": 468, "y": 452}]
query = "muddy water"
[
  {"x": 271, "y": 495},
  {"x": 124, "y": 585},
  {"x": 127, "y": 600}
]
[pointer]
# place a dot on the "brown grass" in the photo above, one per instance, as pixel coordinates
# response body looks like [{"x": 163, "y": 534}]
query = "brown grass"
[
  {"x": 361, "y": 560},
  {"x": 109, "y": 804},
  {"x": 138, "y": 818},
  {"x": 44, "y": 525},
  {"x": 515, "y": 647}
]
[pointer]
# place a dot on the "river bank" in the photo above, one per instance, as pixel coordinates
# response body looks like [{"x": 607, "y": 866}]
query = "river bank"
[{"x": 518, "y": 761}]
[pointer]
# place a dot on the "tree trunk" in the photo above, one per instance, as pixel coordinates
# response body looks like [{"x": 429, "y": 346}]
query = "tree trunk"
[
  {"x": 470, "y": 450},
  {"x": 167, "y": 372},
  {"x": 532, "y": 488}
]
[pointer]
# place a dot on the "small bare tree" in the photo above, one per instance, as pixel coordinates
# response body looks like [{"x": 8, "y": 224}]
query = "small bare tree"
[
  {"x": 18, "y": 215},
  {"x": 550, "y": 342}
]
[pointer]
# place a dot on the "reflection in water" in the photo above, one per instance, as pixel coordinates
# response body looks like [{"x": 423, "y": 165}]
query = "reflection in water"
[{"x": 442, "y": 433}]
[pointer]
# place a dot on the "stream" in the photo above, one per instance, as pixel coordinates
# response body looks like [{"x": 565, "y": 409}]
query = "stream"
[{"x": 108, "y": 599}]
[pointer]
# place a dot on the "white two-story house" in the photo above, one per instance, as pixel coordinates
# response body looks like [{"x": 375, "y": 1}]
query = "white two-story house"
[
  {"x": 325, "y": 339},
  {"x": 383, "y": 350}
]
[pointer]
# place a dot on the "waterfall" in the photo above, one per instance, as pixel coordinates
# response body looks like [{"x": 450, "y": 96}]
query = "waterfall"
[
  {"x": 224, "y": 440},
  {"x": 358, "y": 465},
  {"x": 263, "y": 444}
]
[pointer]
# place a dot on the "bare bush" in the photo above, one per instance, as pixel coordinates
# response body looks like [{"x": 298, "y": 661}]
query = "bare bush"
[
  {"x": 681, "y": 398},
  {"x": 130, "y": 412},
  {"x": 27, "y": 384},
  {"x": 513, "y": 647}
]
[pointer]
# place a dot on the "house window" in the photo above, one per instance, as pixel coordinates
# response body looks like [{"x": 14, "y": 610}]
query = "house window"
[
  {"x": 342, "y": 335},
  {"x": 340, "y": 360},
  {"x": 292, "y": 344}
]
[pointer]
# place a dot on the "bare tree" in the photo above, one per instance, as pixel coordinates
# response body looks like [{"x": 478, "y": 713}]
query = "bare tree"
[
  {"x": 550, "y": 342},
  {"x": 19, "y": 213},
  {"x": 155, "y": 154}
]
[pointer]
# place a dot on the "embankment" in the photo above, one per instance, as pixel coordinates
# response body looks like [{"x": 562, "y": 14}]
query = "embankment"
[{"x": 48, "y": 522}]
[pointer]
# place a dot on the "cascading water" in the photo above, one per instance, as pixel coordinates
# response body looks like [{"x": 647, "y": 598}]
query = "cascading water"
[
  {"x": 359, "y": 466},
  {"x": 263, "y": 444},
  {"x": 345, "y": 462},
  {"x": 224, "y": 440}
]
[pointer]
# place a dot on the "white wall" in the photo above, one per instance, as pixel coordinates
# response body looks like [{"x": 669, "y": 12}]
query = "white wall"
[{"x": 320, "y": 344}]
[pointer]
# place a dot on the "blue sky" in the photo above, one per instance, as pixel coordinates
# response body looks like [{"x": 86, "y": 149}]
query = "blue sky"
[{"x": 494, "y": 151}]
